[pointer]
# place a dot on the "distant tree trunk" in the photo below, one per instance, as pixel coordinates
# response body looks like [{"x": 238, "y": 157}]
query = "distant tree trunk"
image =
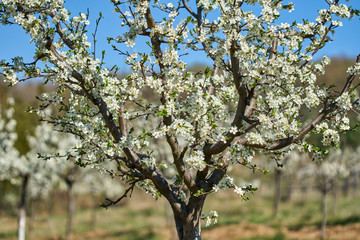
[
  {"x": 286, "y": 195},
  {"x": 71, "y": 208},
  {"x": 334, "y": 193},
  {"x": 34, "y": 204},
  {"x": 94, "y": 209},
  {"x": 22, "y": 208},
  {"x": 31, "y": 213},
  {"x": 190, "y": 228},
  {"x": 324, "y": 213},
  {"x": 356, "y": 181},
  {"x": 49, "y": 211},
  {"x": 346, "y": 186},
  {"x": 277, "y": 193}
]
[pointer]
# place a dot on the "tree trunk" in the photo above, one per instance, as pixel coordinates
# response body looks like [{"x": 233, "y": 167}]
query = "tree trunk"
[
  {"x": 49, "y": 215},
  {"x": 324, "y": 214},
  {"x": 356, "y": 181},
  {"x": 94, "y": 210},
  {"x": 334, "y": 193},
  {"x": 188, "y": 231},
  {"x": 22, "y": 208},
  {"x": 31, "y": 215},
  {"x": 277, "y": 193},
  {"x": 71, "y": 209},
  {"x": 32, "y": 208},
  {"x": 287, "y": 188},
  {"x": 346, "y": 186},
  {"x": 190, "y": 228}
]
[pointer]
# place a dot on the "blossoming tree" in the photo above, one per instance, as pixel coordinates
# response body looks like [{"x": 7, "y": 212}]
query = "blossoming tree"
[
  {"x": 262, "y": 75},
  {"x": 32, "y": 174},
  {"x": 327, "y": 173},
  {"x": 48, "y": 141},
  {"x": 9, "y": 156},
  {"x": 51, "y": 144},
  {"x": 324, "y": 174}
]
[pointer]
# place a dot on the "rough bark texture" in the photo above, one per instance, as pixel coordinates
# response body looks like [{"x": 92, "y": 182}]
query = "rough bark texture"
[
  {"x": 22, "y": 209},
  {"x": 188, "y": 231},
  {"x": 190, "y": 228}
]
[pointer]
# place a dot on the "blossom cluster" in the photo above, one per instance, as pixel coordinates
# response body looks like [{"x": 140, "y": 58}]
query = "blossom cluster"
[
  {"x": 8, "y": 136},
  {"x": 210, "y": 218},
  {"x": 196, "y": 160}
]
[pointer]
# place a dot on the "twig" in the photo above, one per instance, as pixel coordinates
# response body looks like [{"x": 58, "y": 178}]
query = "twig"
[{"x": 112, "y": 203}]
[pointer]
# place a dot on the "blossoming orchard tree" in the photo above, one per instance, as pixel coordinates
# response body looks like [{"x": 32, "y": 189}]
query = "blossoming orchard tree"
[
  {"x": 262, "y": 75},
  {"x": 32, "y": 174},
  {"x": 48, "y": 141},
  {"x": 325, "y": 174},
  {"x": 10, "y": 161}
]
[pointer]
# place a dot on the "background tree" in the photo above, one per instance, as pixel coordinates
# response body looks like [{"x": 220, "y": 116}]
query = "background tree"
[
  {"x": 284, "y": 171},
  {"x": 325, "y": 174},
  {"x": 52, "y": 144},
  {"x": 250, "y": 101},
  {"x": 48, "y": 141},
  {"x": 32, "y": 174},
  {"x": 9, "y": 155},
  {"x": 100, "y": 187}
]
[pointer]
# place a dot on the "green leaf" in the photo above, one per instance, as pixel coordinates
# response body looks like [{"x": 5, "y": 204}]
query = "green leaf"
[{"x": 208, "y": 72}]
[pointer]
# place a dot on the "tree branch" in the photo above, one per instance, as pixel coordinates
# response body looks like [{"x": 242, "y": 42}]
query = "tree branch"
[
  {"x": 112, "y": 203},
  {"x": 178, "y": 155}
]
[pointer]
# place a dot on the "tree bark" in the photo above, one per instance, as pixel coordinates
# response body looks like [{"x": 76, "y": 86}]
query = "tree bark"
[
  {"x": 22, "y": 208},
  {"x": 190, "y": 228},
  {"x": 71, "y": 209}
]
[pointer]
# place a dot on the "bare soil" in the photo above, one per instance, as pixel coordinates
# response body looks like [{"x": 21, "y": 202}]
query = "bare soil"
[{"x": 231, "y": 232}]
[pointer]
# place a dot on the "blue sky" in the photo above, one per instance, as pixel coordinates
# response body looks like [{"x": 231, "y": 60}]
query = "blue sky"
[{"x": 14, "y": 42}]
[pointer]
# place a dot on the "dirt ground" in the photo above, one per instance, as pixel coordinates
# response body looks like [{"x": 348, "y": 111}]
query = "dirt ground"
[
  {"x": 232, "y": 232},
  {"x": 348, "y": 232},
  {"x": 243, "y": 231}
]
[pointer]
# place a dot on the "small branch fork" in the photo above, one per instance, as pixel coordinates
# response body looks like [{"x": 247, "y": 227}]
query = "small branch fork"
[
  {"x": 112, "y": 203},
  {"x": 178, "y": 154}
]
